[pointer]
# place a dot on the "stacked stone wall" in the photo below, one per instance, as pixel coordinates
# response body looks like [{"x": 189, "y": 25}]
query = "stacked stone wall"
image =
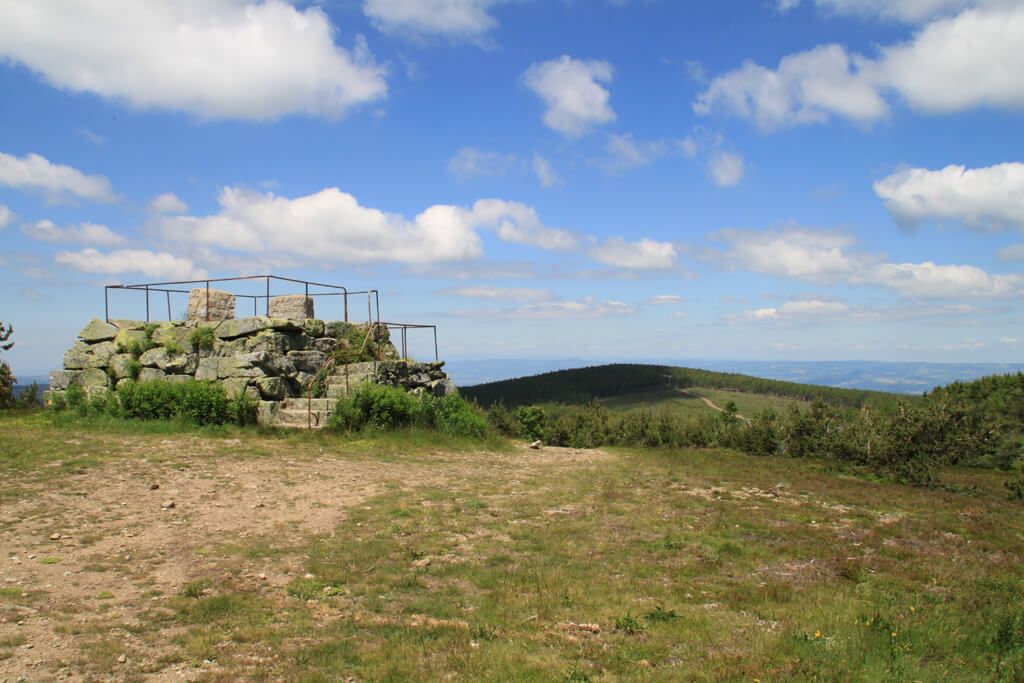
[{"x": 268, "y": 359}]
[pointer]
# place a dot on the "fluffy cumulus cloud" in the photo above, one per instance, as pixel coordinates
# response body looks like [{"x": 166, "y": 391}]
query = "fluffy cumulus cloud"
[
  {"x": 573, "y": 93},
  {"x": 56, "y": 181},
  {"x": 500, "y": 293},
  {"x": 456, "y": 19},
  {"x": 827, "y": 258},
  {"x": 624, "y": 153},
  {"x": 168, "y": 202},
  {"x": 814, "y": 255},
  {"x": 85, "y": 233},
  {"x": 6, "y": 216},
  {"x": 645, "y": 254},
  {"x": 149, "y": 263},
  {"x": 331, "y": 226},
  {"x": 668, "y": 300},
  {"x": 471, "y": 162},
  {"x": 951, "y": 64},
  {"x": 989, "y": 198},
  {"x": 246, "y": 59},
  {"x": 808, "y": 87}
]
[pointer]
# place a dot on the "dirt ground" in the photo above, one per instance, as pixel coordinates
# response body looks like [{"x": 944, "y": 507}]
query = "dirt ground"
[{"x": 95, "y": 554}]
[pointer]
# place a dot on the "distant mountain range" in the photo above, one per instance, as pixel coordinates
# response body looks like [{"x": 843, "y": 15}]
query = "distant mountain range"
[{"x": 904, "y": 378}]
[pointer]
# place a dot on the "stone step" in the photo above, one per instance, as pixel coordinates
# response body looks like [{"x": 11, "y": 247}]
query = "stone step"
[
  {"x": 301, "y": 419},
  {"x": 302, "y": 403}
]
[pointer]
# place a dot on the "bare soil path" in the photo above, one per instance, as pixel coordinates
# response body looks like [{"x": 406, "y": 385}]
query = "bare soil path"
[
  {"x": 91, "y": 561},
  {"x": 710, "y": 404}
]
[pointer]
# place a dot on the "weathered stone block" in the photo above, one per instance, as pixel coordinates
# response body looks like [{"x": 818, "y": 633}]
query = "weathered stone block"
[
  {"x": 82, "y": 356},
  {"x": 154, "y": 358},
  {"x": 272, "y": 388},
  {"x": 236, "y": 386},
  {"x": 243, "y": 327},
  {"x": 122, "y": 365},
  {"x": 270, "y": 341},
  {"x": 97, "y": 331},
  {"x": 207, "y": 370},
  {"x": 291, "y": 307},
  {"x": 62, "y": 379},
  {"x": 92, "y": 378},
  {"x": 128, "y": 324},
  {"x": 174, "y": 335},
  {"x": 307, "y": 361},
  {"x": 221, "y": 305},
  {"x": 150, "y": 374},
  {"x": 325, "y": 345}
]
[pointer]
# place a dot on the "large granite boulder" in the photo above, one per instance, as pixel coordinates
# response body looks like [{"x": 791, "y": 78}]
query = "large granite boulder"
[
  {"x": 97, "y": 331},
  {"x": 221, "y": 304}
]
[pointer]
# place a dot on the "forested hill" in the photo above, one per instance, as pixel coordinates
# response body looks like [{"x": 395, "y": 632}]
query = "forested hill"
[{"x": 585, "y": 384}]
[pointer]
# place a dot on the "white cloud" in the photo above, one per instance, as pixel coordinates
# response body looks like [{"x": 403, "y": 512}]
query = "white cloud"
[
  {"x": 84, "y": 233},
  {"x": 799, "y": 309},
  {"x": 807, "y": 87},
  {"x": 951, "y": 64},
  {"x": 244, "y": 59},
  {"x": 726, "y": 168},
  {"x": 459, "y": 19},
  {"x": 824, "y": 257},
  {"x": 148, "y": 263},
  {"x": 331, "y": 226},
  {"x": 688, "y": 147},
  {"x": 937, "y": 281},
  {"x": 168, "y": 202},
  {"x": 989, "y": 198},
  {"x": 1014, "y": 252},
  {"x": 6, "y": 216},
  {"x": 799, "y": 253},
  {"x": 667, "y": 300},
  {"x": 471, "y": 162},
  {"x": 576, "y": 101},
  {"x": 546, "y": 175},
  {"x": 646, "y": 254},
  {"x": 94, "y": 138},
  {"x": 968, "y": 61},
  {"x": 58, "y": 182},
  {"x": 518, "y": 223},
  {"x": 500, "y": 293},
  {"x": 624, "y": 153},
  {"x": 897, "y": 10},
  {"x": 586, "y": 308}
]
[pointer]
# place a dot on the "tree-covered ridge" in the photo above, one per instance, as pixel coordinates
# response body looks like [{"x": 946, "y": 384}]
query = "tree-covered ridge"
[{"x": 586, "y": 384}]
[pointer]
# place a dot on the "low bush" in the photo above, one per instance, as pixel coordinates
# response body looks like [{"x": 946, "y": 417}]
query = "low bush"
[
  {"x": 202, "y": 338},
  {"x": 201, "y": 403},
  {"x": 375, "y": 406}
]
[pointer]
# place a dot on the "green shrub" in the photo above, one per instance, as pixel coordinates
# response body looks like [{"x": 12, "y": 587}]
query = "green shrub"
[
  {"x": 243, "y": 410},
  {"x": 202, "y": 338},
  {"x": 197, "y": 402},
  {"x": 533, "y": 421},
  {"x": 173, "y": 348},
  {"x": 384, "y": 408}
]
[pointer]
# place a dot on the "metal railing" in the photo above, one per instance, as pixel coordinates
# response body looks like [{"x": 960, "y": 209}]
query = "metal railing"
[
  {"x": 166, "y": 288},
  {"x": 404, "y": 329}
]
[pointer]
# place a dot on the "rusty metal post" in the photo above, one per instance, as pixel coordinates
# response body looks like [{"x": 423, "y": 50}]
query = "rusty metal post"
[
  {"x": 168, "y": 293},
  {"x": 268, "y": 296},
  {"x": 147, "y": 303},
  {"x": 207, "y": 301},
  {"x": 106, "y": 303},
  {"x": 436, "y": 356}
]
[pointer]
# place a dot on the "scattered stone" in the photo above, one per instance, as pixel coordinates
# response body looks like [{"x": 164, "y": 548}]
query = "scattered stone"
[
  {"x": 422, "y": 563},
  {"x": 55, "y": 536},
  {"x": 122, "y": 659},
  {"x": 537, "y": 445},
  {"x": 309, "y": 577},
  {"x": 168, "y": 505},
  {"x": 154, "y": 487},
  {"x": 263, "y": 577}
]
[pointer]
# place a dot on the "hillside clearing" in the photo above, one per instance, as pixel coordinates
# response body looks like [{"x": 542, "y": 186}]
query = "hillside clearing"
[{"x": 320, "y": 558}]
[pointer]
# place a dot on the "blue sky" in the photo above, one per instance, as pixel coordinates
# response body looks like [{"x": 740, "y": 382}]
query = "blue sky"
[{"x": 630, "y": 179}]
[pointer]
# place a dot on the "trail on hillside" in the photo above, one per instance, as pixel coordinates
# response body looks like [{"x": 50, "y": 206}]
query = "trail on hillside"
[{"x": 710, "y": 404}]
